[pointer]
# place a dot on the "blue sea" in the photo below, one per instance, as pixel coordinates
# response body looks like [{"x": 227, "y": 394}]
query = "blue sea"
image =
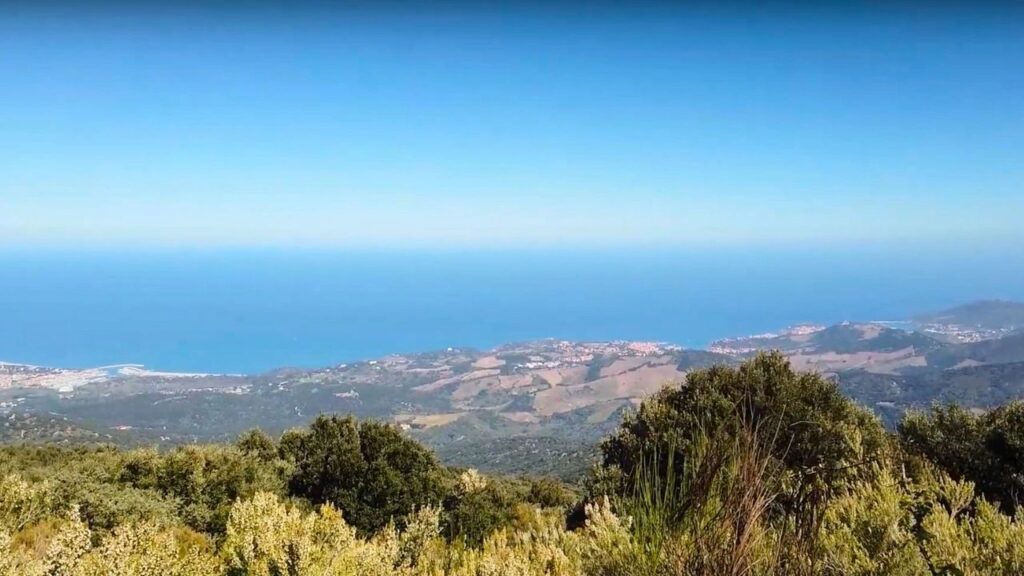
[{"x": 248, "y": 311}]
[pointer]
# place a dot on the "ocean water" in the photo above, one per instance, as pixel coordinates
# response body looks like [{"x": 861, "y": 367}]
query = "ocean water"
[{"x": 251, "y": 311}]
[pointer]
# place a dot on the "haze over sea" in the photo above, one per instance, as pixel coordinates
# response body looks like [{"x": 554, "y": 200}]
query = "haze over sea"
[{"x": 251, "y": 311}]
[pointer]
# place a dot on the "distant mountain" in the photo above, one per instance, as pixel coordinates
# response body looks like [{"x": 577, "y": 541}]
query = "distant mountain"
[
  {"x": 996, "y": 315},
  {"x": 544, "y": 401}
]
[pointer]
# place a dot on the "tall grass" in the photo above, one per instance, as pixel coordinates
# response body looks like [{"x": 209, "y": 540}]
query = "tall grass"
[{"x": 705, "y": 514}]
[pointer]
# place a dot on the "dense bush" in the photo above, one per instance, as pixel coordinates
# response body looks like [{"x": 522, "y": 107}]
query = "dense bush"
[
  {"x": 204, "y": 480},
  {"x": 800, "y": 420},
  {"x": 478, "y": 506},
  {"x": 986, "y": 449},
  {"x": 370, "y": 470}
]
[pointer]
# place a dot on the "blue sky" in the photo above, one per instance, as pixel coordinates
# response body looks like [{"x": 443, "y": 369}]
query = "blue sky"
[{"x": 466, "y": 127}]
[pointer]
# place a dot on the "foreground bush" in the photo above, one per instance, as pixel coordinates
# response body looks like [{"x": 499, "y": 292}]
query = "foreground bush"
[
  {"x": 891, "y": 527},
  {"x": 884, "y": 526},
  {"x": 130, "y": 550}
]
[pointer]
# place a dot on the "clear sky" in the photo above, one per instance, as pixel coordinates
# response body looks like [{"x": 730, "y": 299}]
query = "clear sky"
[{"x": 559, "y": 125}]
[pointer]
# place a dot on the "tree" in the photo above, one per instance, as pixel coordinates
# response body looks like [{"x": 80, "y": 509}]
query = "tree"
[
  {"x": 371, "y": 471},
  {"x": 204, "y": 480},
  {"x": 258, "y": 444},
  {"x": 822, "y": 440},
  {"x": 478, "y": 506},
  {"x": 550, "y": 493}
]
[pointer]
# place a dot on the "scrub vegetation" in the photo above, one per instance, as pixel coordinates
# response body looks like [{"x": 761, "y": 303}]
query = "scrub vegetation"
[{"x": 747, "y": 470}]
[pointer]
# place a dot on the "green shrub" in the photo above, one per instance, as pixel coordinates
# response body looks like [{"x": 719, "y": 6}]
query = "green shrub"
[
  {"x": 986, "y": 449},
  {"x": 370, "y": 470},
  {"x": 822, "y": 440}
]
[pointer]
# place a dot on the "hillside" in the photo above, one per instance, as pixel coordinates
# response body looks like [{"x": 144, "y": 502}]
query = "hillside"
[
  {"x": 560, "y": 395},
  {"x": 528, "y": 402},
  {"x": 979, "y": 387}
]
